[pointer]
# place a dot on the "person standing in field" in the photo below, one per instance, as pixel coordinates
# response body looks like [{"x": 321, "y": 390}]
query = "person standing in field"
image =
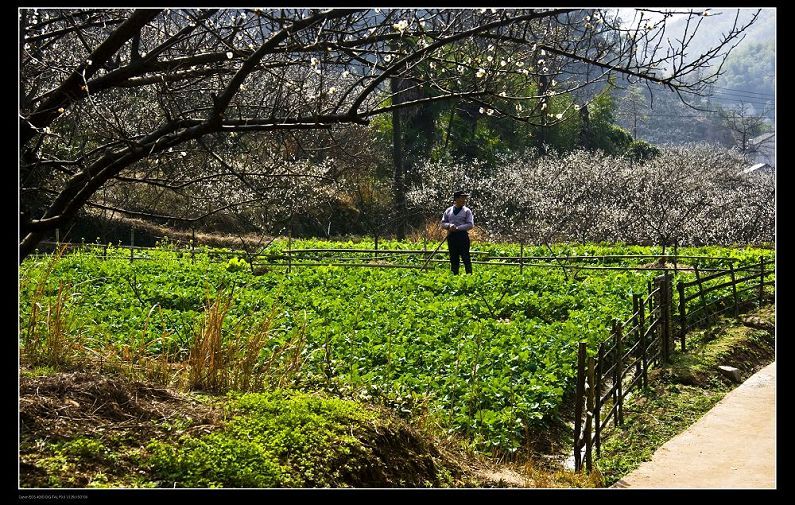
[{"x": 457, "y": 220}]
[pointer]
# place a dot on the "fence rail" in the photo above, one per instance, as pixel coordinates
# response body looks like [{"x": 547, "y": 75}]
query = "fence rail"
[
  {"x": 647, "y": 335},
  {"x": 394, "y": 258}
]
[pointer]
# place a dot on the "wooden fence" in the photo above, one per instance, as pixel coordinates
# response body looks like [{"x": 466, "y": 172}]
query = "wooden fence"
[
  {"x": 621, "y": 363},
  {"x": 389, "y": 258}
]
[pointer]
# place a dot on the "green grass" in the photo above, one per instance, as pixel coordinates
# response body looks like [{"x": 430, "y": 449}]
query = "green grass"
[{"x": 272, "y": 440}]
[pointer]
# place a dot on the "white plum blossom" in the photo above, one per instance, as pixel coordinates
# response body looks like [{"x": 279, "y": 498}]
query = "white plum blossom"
[
  {"x": 587, "y": 196},
  {"x": 401, "y": 25},
  {"x": 229, "y": 54}
]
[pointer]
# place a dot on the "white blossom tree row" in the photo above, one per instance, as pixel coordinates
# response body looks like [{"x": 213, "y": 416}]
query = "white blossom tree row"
[{"x": 688, "y": 195}]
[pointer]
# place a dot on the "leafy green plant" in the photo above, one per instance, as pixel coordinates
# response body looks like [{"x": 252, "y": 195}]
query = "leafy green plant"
[{"x": 278, "y": 439}]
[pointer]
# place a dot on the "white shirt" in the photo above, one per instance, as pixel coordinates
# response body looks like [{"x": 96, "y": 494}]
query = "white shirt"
[{"x": 462, "y": 221}]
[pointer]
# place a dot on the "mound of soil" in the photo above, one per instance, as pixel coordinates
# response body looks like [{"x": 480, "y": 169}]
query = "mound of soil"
[{"x": 69, "y": 404}]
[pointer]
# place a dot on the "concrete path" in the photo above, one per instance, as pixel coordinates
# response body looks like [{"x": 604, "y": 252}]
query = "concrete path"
[{"x": 731, "y": 446}]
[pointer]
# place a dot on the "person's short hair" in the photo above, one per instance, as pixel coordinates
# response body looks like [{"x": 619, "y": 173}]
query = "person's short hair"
[{"x": 460, "y": 193}]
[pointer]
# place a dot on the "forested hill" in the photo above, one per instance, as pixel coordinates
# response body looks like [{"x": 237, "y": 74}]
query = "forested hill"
[
  {"x": 746, "y": 86},
  {"x": 749, "y": 70}
]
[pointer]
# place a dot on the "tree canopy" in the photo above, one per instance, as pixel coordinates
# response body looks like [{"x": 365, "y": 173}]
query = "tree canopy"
[{"x": 166, "y": 98}]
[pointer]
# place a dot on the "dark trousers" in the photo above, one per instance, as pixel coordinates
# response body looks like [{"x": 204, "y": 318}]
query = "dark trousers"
[{"x": 458, "y": 245}]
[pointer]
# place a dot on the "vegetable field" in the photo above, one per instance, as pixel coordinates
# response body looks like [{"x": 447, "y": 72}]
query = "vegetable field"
[{"x": 486, "y": 356}]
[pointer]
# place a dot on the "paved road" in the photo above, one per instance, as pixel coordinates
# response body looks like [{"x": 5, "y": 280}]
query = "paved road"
[{"x": 731, "y": 446}]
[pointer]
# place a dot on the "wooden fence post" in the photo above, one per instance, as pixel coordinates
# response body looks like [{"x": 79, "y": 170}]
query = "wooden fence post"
[
  {"x": 680, "y": 287},
  {"x": 579, "y": 398},
  {"x": 375, "y": 254},
  {"x": 701, "y": 292},
  {"x": 58, "y": 236},
  {"x": 661, "y": 303},
  {"x": 598, "y": 400},
  {"x": 668, "y": 309},
  {"x": 132, "y": 242},
  {"x": 619, "y": 372},
  {"x": 290, "y": 247},
  {"x": 644, "y": 360},
  {"x": 734, "y": 291},
  {"x": 635, "y": 322},
  {"x": 761, "y": 280},
  {"x": 521, "y": 257},
  {"x": 589, "y": 415}
]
